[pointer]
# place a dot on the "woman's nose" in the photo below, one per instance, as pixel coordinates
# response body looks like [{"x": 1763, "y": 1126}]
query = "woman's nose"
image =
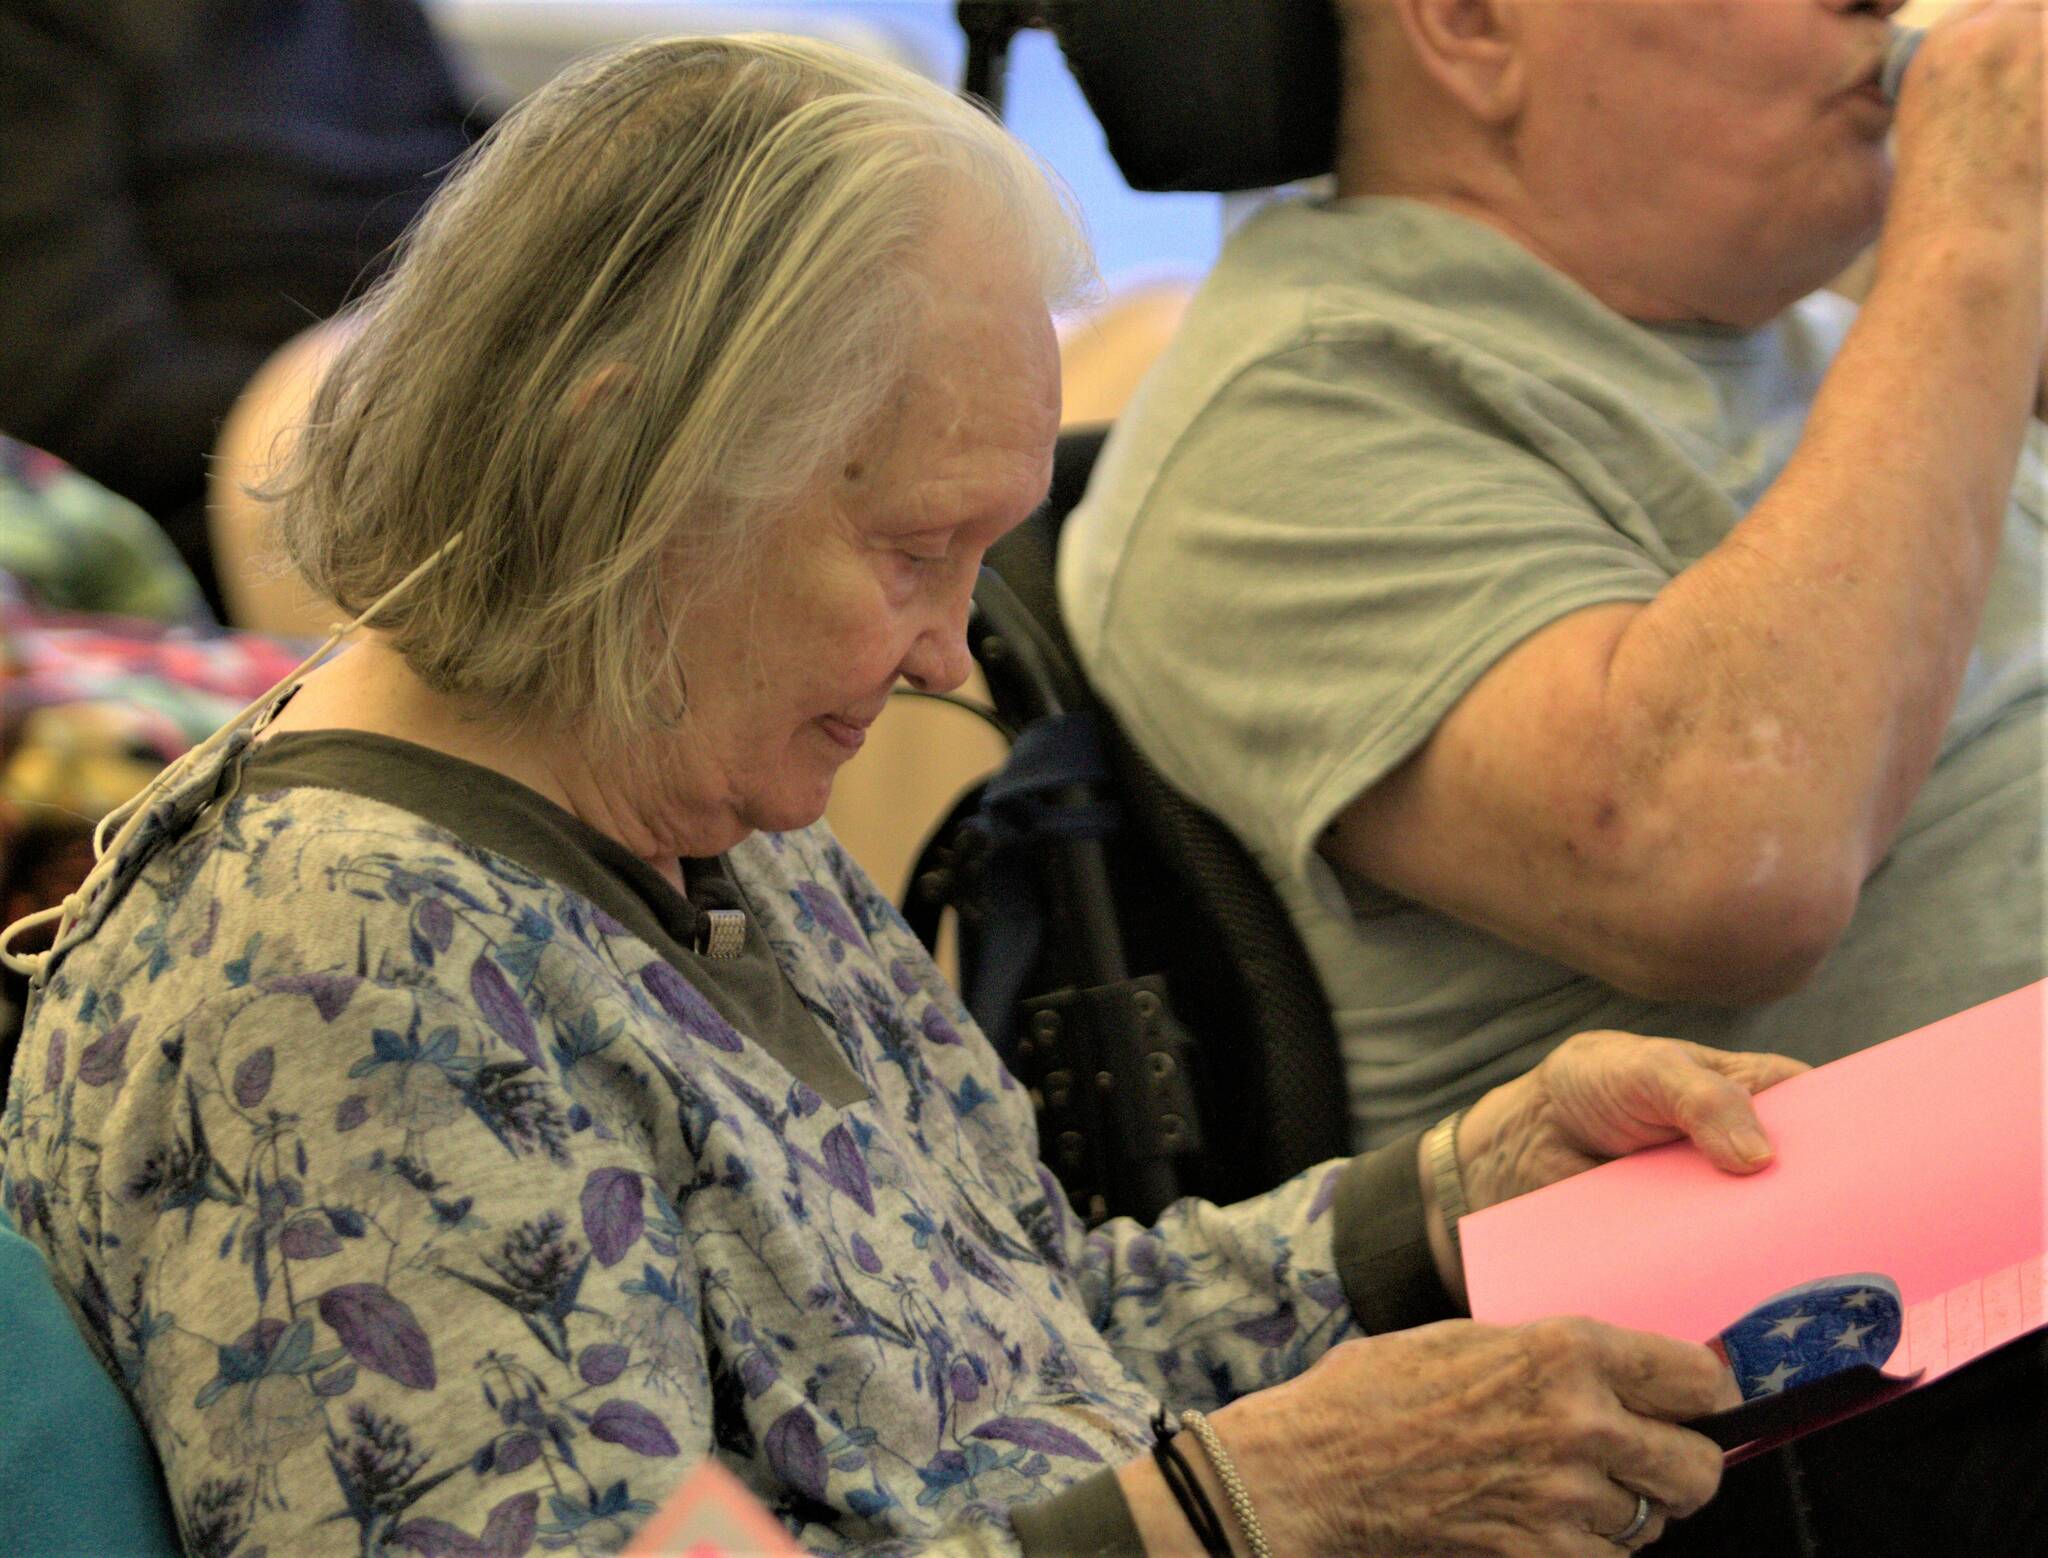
[{"x": 938, "y": 661}]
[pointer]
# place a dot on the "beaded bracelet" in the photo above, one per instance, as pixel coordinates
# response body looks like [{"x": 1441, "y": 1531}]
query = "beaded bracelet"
[
  {"x": 1233, "y": 1484},
  {"x": 1187, "y": 1489}
]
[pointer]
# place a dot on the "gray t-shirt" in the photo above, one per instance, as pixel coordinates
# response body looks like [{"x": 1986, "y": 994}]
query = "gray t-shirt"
[{"x": 1388, "y": 446}]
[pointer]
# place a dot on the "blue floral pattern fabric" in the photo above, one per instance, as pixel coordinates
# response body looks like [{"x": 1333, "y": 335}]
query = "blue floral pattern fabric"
[{"x": 422, "y": 1208}]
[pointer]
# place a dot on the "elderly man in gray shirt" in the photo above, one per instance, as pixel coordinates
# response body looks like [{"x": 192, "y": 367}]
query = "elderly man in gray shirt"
[{"x": 1586, "y": 621}]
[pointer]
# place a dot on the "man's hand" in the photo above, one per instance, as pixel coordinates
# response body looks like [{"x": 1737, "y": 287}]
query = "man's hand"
[
  {"x": 1602, "y": 1095},
  {"x": 1970, "y": 136}
]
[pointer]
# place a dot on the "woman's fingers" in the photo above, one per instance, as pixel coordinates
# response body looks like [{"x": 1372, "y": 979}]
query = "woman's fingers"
[
  {"x": 1715, "y": 1111},
  {"x": 1707, "y": 1094},
  {"x": 1754, "y": 1072},
  {"x": 1618, "y": 1399},
  {"x": 1612, "y": 1093},
  {"x": 1616, "y": 1514},
  {"x": 1675, "y": 1468},
  {"x": 1465, "y": 1438},
  {"x": 1659, "y": 1376}
]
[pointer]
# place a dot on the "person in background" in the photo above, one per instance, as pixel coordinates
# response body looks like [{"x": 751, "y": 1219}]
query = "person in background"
[
  {"x": 183, "y": 189},
  {"x": 1589, "y": 624},
  {"x": 1586, "y": 622},
  {"x": 473, "y": 1089}
]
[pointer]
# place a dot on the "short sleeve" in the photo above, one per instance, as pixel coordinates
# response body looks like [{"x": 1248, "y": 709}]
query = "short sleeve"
[{"x": 1342, "y": 542}]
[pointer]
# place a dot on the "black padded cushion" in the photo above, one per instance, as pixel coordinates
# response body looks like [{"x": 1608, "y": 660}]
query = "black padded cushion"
[
  {"x": 1193, "y": 905},
  {"x": 1207, "y": 94}
]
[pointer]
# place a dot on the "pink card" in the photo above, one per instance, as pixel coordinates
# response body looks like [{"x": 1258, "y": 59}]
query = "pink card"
[
  {"x": 712, "y": 1515},
  {"x": 1922, "y": 1158}
]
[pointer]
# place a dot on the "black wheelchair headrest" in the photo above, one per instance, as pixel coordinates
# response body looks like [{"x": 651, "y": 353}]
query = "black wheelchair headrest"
[{"x": 1207, "y": 94}]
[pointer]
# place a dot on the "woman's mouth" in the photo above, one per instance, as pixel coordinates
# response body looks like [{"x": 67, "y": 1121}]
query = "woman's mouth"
[{"x": 848, "y": 733}]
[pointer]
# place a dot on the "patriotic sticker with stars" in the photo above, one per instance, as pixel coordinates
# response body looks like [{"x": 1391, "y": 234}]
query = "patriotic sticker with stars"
[{"x": 1809, "y": 1332}]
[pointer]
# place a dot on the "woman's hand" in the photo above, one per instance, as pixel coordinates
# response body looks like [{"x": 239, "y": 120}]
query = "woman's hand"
[
  {"x": 1462, "y": 1439},
  {"x": 1598, "y": 1096},
  {"x": 1603, "y": 1095}
]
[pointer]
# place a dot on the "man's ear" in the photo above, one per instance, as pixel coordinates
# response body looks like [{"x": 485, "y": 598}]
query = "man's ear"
[{"x": 1472, "y": 50}]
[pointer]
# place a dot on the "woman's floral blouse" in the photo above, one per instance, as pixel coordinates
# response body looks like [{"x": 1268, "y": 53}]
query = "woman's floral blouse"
[{"x": 421, "y": 1208}]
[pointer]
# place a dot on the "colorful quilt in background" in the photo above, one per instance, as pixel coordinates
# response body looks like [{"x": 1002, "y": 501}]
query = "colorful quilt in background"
[{"x": 110, "y": 666}]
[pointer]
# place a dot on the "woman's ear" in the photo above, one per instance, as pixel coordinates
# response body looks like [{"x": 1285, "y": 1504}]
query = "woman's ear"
[{"x": 1472, "y": 50}]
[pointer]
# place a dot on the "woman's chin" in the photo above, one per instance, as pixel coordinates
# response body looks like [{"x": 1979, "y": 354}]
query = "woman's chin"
[{"x": 790, "y": 812}]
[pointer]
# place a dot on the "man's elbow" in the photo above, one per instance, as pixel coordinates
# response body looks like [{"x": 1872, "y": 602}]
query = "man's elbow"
[{"x": 1742, "y": 939}]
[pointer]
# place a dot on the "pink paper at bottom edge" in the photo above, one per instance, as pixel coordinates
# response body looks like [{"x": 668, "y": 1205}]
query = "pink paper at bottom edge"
[{"x": 1921, "y": 1158}]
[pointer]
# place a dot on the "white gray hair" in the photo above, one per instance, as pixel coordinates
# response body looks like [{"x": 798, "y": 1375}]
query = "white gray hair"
[{"x": 657, "y": 303}]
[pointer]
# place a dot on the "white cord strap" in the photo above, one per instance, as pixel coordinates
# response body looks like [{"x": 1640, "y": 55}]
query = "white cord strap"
[
  {"x": 1233, "y": 1484},
  {"x": 126, "y": 818}
]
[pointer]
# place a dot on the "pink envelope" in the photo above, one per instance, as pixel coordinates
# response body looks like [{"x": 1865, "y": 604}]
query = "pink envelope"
[{"x": 1922, "y": 1158}]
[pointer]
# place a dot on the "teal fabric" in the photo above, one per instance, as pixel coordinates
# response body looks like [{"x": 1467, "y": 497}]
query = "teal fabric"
[{"x": 76, "y": 1475}]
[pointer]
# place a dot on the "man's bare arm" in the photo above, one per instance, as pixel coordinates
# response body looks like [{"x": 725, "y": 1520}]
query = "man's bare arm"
[{"x": 1684, "y": 797}]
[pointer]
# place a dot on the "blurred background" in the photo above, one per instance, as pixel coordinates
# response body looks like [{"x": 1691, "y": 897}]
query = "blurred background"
[{"x": 514, "y": 45}]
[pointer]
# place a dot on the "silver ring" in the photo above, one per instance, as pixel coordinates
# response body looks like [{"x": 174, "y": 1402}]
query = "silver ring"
[{"x": 1633, "y": 1529}]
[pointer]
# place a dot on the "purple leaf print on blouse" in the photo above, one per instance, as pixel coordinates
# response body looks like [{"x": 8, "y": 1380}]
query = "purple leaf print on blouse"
[
  {"x": 612, "y": 1219},
  {"x": 1044, "y": 1437},
  {"x": 380, "y": 1333},
  {"x": 936, "y": 1028},
  {"x": 203, "y": 942},
  {"x": 53, "y": 1073},
  {"x": 502, "y": 1009},
  {"x": 437, "y": 923},
  {"x": 516, "y": 1452},
  {"x": 330, "y": 992},
  {"x": 436, "y": 1539},
  {"x": 508, "y": 1533},
  {"x": 102, "y": 1061},
  {"x": 828, "y": 912},
  {"x": 845, "y": 1168},
  {"x": 691, "y": 1012},
  {"x": 632, "y": 1425},
  {"x": 602, "y": 1363},
  {"x": 756, "y": 1374},
  {"x": 1326, "y": 1289},
  {"x": 794, "y": 1452},
  {"x": 864, "y": 1256},
  {"x": 308, "y": 1238},
  {"x": 252, "y": 1078},
  {"x": 1326, "y": 1194},
  {"x": 1273, "y": 1330}
]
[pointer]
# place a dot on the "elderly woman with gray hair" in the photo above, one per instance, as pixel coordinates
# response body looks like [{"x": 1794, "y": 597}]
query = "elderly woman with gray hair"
[{"x": 477, "y": 1088}]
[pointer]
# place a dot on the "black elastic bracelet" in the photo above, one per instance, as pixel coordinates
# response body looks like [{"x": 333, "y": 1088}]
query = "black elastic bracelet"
[{"x": 1187, "y": 1489}]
